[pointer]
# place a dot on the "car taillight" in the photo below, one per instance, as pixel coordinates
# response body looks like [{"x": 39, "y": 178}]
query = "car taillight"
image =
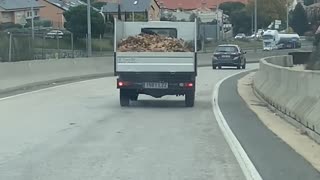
[
  {"x": 189, "y": 85},
  {"x": 120, "y": 83}
]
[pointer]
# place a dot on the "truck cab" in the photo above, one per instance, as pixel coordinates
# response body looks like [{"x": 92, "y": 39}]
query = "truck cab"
[{"x": 270, "y": 40}]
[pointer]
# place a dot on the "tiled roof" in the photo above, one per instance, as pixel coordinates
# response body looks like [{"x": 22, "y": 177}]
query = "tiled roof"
[
  {"x": 193, "y": 4},
  {"x": 128, "y": 5},
  {"x": 18, "y": 4},
  {"x": 66, "y": 4}
]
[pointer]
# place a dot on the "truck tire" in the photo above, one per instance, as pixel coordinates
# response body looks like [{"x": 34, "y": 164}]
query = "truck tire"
[
  {"x": 124, "y": 98},
  {"x": 134, "y": 97},
  {"x": 238, "y": 66},
  {"x": 189, "y": 99}
]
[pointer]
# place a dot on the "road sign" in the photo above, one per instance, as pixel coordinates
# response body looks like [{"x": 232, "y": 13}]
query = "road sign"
[{"x": 277, "y": 22}]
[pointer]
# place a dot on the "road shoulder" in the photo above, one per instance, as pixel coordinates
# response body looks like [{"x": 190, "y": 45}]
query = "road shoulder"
[{"x": 294, "y": 137}]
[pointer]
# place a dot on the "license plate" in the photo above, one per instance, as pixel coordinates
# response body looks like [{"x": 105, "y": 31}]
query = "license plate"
[
  {"x": 155, "y": 85},
  {"x": 225, "y": 56}
]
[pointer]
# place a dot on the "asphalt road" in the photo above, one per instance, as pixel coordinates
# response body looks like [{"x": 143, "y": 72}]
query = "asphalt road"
[
  {"x": 79, "y": 131},
  {"x": 272, "y": 157}
]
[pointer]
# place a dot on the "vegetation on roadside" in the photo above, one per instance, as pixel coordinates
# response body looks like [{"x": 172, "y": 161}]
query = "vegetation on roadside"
[
  {"x": 299, "y": 20},
  {"x": 76, "y": 22},
  {"x": 314, "y": 61}
]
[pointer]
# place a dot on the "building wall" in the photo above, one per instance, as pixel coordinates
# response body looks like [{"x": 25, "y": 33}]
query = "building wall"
[
  {"x": 6, "y": 17},
  {"x": 154, "y": 11},
  {"x": 52, "y": 13},
  {"x": 20, "y": 17}
]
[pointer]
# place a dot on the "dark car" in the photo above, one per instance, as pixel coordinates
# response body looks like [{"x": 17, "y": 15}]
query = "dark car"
[
  {"x": 228, "y": 55},
  {"x": 289, "y": 43}
]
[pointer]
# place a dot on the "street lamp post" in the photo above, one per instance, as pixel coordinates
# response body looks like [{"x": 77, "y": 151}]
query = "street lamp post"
[
  {"x": 255, "y": 18},
  {"x": 287, "y": 19},
  {"x": 218, "y": 28},
  {"x": 287, "y": 29},
  {"x": 32, "y": 20},
  {"x": 89, "y": 28}
]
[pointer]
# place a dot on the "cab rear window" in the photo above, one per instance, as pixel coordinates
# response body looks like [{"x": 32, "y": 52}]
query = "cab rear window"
[{"x": 226, "y": 49}]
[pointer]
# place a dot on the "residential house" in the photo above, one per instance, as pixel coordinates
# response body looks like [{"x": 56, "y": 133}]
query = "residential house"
[
  {"x": 130, "y": 9},
  {"x": 53, "y": 10},
  {"x": 193, "y": 4},
  {"x": 18, "y": 11}
]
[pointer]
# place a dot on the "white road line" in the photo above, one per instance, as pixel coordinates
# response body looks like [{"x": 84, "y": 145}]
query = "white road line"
[
  {"x": 48, "y": 88},
  {"x": 244, "y": 161}
]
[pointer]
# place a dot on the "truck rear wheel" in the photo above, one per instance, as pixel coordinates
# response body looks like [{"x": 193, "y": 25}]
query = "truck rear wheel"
[
  {"x": 124, "y": 98},
  {"x": 134, "y": 97},
  {"x": 189, "y": 99}
]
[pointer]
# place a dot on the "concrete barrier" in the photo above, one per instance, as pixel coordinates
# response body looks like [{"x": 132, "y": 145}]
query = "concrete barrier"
[
  {"x": 23, "y": 74},
  {"x": 295, "y": 93},
  {"x": 26, "y": 74}
]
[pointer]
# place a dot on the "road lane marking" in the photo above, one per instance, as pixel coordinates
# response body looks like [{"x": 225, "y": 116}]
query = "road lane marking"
[{"x": 249, "y": 170}]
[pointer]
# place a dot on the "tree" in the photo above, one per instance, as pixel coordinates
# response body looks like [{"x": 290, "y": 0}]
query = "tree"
[
  {"x": 268, "y": 11},
  {"x": 314, "y": 60},
  {"x": 241, "y": 22},
  {"x": 168, "y": 17},
  {"x": 299, "y": 21},
  {"x": 230, "y": 7},
  {"x": 76, "y": 21},
  {"x": 192, "y": 17}
]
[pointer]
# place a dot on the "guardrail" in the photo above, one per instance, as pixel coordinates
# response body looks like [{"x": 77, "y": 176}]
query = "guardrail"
[
  {"x": 25, "y": 74},
  {"x": 295, "y": 93}
]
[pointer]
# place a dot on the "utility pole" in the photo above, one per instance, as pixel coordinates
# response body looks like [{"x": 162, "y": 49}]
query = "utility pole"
[
  {"x": 10, "y": 46},
  {"x": 255, "y": 17},
  {"x": 32, "y": 19},
  {"x": 252, "y": 22},
  {"x": 89, "y": 28},
  {"x": 287, "y": 17},
  {"x": 218, "y": 28}
]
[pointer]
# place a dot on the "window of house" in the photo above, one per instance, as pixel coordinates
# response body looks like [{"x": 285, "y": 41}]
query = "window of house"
[{"x": 29, "y": 14}]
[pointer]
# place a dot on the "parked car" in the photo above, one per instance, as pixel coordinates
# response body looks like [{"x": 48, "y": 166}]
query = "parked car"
[
  {"x": 240, "y": 36},
  {"x": 228, "y": 55},
  {"x": 54, "y": 34}
]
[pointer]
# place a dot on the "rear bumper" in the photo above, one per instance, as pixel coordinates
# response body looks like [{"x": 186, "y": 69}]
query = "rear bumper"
[
  {"x": 226, "y": 62},
  {"x": 174, "y": 88},
  {"x": 141, "y": 85}
]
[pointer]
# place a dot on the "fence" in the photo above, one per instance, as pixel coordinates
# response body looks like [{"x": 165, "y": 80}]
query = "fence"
[{"x": 21, "y": 46}]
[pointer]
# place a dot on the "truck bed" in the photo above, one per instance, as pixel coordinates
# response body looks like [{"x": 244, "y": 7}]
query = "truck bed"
[{"x": 155, "y": 62}]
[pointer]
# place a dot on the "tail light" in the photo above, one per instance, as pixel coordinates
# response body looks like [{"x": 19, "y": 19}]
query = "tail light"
[
  {"x": 120, "y": 83},
  {"x": 189, "y": 85}
]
